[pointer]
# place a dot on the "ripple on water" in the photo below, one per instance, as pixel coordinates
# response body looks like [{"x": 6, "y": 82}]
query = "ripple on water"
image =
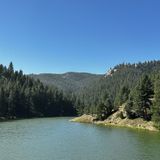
[{"x": 59, "y": 139}]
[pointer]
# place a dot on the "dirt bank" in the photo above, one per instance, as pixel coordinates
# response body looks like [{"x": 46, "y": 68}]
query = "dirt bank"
[{"x": 115, "y": 120}]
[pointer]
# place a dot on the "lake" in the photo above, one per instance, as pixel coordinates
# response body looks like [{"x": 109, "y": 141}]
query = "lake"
[{"x": 59, "y": 139}]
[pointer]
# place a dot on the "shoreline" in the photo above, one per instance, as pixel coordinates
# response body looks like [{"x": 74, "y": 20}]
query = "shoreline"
[
  {"x": 138, "y": 123},
  {"x": 112, "y": 120},
  {"x": 3, "y": 119}
]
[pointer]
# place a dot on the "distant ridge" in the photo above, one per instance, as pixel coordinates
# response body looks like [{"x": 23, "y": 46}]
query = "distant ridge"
[{"x": 70, "y": 81}]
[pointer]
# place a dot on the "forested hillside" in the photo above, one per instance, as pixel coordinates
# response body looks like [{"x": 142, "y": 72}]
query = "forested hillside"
[
  {"x": 121, "y": 77},
  {"x": 135, "y": 85},
  {"x": 24, "y": 97},
  {"x": 70, "y": 82}
]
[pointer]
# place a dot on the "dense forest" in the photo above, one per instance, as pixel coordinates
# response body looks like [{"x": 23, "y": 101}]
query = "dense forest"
[
  {"x": 24, "y": 97},
  {"x": 134, "y": 86}
]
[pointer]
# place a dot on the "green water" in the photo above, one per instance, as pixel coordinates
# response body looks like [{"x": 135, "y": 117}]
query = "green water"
[{"x": 59, "y": 139}]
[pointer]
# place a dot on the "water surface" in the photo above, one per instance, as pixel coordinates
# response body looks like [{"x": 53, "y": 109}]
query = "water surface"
[{"x": 59, "y": 139}]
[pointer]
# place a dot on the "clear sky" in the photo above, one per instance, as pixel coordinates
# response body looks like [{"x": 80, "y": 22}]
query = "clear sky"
[{"x": 78, "y": 35}]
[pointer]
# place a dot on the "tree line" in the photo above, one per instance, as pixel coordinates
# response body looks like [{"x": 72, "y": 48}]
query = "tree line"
[
  {"x": 136, "y": 86},
  {"x": 24, "y": 97}
]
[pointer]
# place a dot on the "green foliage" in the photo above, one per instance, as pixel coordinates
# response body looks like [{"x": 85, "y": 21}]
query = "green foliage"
[
  {"x": 23, "y": 97},
  {"x": 119, "y": 84},
  {"x": 144, "y": 96},
  {"x": 70, "y": 82},
  {"x": 125, "y": 83},
  {"x": 11, "y": 68},
  {"x": 141, "y": 99},
  {"x": 104, "y": 109},
  {"x": 156, "y": 104},
  {"x": 131, "y": 113},
  {"x": 122, "y": 96},
  {"x": 89, "y": 90}
]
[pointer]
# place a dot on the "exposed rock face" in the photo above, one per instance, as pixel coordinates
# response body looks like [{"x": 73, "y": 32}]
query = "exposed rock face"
[
  {"x": 84, "y": 119},
  {"x": 110, "y": 72}
]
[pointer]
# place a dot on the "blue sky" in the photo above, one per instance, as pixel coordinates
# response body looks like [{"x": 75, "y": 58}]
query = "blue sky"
[{"x": 78, "y": 35}]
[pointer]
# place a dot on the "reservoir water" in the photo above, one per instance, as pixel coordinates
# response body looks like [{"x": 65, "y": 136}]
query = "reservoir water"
[{"x": 59, "y": 139}]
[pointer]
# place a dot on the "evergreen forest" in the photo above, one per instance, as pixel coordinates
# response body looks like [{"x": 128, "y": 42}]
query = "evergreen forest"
[{"x": 135, "y": 86}]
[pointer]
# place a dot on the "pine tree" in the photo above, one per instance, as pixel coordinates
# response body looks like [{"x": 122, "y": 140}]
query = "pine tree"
[
  {"x": 3, "y": 103},
  {"x": 10, "y": 68},
  {"x": 122, "y": 96},
  {"x": 142, "y": 97},
  {"x": 104, "y": 109},
  {"x": 156, "y": 104},
  {"x": 22, "y": 97},
  {"x": 131, "y": 114}
]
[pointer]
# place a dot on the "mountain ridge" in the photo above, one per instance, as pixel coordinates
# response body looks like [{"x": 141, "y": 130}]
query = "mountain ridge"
[{"x": 69, "y": 81}]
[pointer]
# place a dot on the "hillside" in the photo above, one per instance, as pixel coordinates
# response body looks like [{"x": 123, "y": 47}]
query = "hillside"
[
  {"x": 135, "y": 85},
  {"x": 23, "y": 97},
  {"x": 92, "y": 89},
  {"x": 68, "y": 82},
  {"x": 117, "y": 78}
]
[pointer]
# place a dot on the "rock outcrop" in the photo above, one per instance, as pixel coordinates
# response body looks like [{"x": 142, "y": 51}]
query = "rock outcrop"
[{"x": 118, "y": 119}]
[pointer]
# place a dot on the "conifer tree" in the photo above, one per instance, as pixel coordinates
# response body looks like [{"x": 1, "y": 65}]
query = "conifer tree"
[
  {"x": 122, "y": 96},
  {"x": 104, "y": 109},
  {"x": 142, "y": 97},
  {"x": 10, "y": 68},
  {"x": 156, "y": 104}
]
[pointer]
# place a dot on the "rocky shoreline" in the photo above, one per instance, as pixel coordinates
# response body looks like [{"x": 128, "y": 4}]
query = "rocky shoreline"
[{"x": 114, "y": 120}]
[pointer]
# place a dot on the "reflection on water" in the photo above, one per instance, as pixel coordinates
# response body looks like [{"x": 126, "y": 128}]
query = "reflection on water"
[{"x": 59, "y": 139}]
